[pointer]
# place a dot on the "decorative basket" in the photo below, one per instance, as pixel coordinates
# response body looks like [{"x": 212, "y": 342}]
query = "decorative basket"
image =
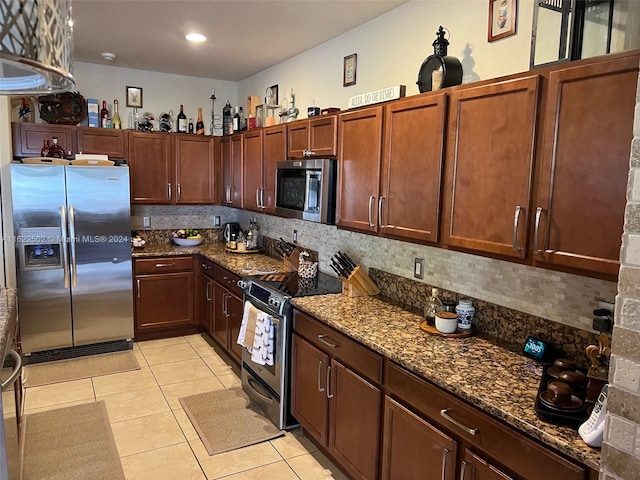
[{"x": 68, "y": 108}]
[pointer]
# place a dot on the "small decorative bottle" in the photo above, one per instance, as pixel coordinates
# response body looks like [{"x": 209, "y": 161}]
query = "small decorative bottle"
[
  {"x": 45, "y": 148},
  {"x": 433, "y": 306},
  {"x": 56, "y": 150}
]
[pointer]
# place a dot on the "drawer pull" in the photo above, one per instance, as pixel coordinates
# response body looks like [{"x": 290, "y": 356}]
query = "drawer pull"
[
  {"x": 320, "y": 389},
  {"x": 327, "y": 343},
  {"x": 463, "y": 469},
  {"x": 445, "y": 452},
  {"x": 165, "y": 265},
  {"x": 445, "y": 414}
]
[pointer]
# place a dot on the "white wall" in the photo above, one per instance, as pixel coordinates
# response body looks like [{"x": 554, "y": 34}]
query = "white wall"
[{"x": 160, "y": 91}]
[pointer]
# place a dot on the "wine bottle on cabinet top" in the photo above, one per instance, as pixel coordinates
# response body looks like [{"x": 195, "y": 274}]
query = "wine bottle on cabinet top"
[
  {"x": 116, "y": 117},
  {"x": 199, "y": 123},
  {"x": 182, "y": 121},
  {"x": 190, "y": 125},
  {"x": 104, "y": 115}
]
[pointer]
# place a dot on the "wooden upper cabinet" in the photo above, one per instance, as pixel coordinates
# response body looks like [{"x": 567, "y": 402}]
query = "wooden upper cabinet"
[
  {"x": 360, "y": 152},
  {"x": 489, "y": 167},
  {"x": 314, "y": 137},
  {"x": 253, "y": 172},
  {"x": 150, "y": 168},
  {"x": 105, "y": 141},
  {"x": 275, "y": 150},
  {"x": 232, "y": 164},
  {"x": 588, "y": 128},
  {"x": 409, "y": 202},
  {"x": 28, "y": 138},
  {"x": 194, "y": 169},
  {"x": 227, "y": 170}
]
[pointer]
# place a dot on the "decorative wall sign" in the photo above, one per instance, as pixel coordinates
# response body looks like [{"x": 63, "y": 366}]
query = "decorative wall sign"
[
  {"x": 503, "y": 15},
  {"x": 377, "y": 96},
  {"x": 134, "y": 97},
  {"x": 349, "y": 70}
]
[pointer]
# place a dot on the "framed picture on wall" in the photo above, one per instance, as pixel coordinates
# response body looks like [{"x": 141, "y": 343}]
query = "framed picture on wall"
[
  {"x": 503, "y": 17},
  {"x": 134, "y": 97},
  {"x": 349, "y": 72}
]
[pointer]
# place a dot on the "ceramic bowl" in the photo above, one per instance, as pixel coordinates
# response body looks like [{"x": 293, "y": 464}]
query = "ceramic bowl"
[
  {"x": 446, "y": 322},
  {"x": 188, "y": 242}
]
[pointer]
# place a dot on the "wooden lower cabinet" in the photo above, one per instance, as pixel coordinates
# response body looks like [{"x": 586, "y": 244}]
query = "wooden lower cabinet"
[
  {"x": 227, "y": 312},
  {"x": 164, "y": 300},
  {"x": 338, "y": 408},
  {"x": 477, "y": 468},
  {"x": 413, "y": 449}
]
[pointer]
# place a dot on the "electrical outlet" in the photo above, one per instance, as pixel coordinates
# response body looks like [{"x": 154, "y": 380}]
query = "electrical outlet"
[
  {"x": 216, "y": 220},
  {"x": 146, "y": 222},
  {"x": 295, "y": 236},
  {"x": 418, "y": 267}
]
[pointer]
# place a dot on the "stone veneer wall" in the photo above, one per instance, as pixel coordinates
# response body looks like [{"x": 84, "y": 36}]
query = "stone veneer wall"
[{"x": 621, "y": 449}]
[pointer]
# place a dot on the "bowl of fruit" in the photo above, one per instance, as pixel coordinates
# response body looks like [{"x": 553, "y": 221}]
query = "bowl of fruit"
[{"x": 186, "y": 237}]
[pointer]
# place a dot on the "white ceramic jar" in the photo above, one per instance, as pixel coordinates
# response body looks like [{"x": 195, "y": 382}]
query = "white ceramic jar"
[{"x": 465, "y": 312}]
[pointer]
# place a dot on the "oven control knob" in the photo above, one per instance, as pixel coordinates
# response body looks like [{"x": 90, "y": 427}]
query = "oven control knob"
[
  {"x": 242, "y": 284},
  {"x": 274, "y": 302}
]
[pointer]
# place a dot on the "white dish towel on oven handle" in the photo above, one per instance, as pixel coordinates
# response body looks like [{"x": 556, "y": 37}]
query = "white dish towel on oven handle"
[{"x": 262, "y": 352}]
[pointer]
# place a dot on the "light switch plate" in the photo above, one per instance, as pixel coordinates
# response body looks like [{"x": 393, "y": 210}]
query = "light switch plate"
[
  {"x": 216, "y": 220},
  {"x": 146, "y": 222},
  {"x": 418, "y": 267}
]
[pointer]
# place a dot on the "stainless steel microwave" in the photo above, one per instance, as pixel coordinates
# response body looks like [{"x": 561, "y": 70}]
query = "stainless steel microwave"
[{"x": 306, "y": 189}]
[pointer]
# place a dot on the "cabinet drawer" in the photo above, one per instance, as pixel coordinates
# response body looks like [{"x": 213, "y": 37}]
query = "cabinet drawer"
[
  {"x": 508, "y": 447},
  {"x": 354, "y": 355},
  {"x": 228, "y": 279},
  {"x": 163, "y": 264},
  {"x": 207, "y": 267}
]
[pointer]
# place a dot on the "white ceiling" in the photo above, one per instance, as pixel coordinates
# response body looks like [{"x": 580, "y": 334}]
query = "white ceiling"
[{"x": 244, "y": 36}]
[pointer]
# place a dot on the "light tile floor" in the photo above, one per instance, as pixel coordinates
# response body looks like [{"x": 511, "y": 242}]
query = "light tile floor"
[{"x": 156, "y": 440}]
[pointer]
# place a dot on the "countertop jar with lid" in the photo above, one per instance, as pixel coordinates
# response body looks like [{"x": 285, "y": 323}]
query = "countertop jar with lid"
[{"x": 465, "y": 311}]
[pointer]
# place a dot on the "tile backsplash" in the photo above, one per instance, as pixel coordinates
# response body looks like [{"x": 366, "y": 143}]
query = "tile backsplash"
[{"x": 560, "y": 297}]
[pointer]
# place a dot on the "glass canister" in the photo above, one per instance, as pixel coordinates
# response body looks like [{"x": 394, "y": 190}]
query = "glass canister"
[{"x": 465, "y": 311}]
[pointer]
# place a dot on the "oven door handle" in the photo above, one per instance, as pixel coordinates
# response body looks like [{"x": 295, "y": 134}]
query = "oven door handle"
[
  {"x": 17, "y": 369},
  {"x": 253, "y": 384}
]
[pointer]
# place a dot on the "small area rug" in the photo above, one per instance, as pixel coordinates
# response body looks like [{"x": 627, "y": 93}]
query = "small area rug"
[
  {"x": 228, "y": 419},
  {"x": 71, "y": 443},
  {"x": 77, "y": 368}
]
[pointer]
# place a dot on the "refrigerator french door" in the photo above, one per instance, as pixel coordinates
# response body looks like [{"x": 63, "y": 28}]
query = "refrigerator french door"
[{"x": 72, "y": 227}]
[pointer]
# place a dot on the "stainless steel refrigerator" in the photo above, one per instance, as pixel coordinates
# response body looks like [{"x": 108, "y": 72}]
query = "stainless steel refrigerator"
[{"x": 72, "y": 227}]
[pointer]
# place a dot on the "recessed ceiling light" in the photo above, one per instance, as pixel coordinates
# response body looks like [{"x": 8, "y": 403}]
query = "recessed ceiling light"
[
  {"x": 195, "y": 37},
  {"x": 108, "y": 56}
]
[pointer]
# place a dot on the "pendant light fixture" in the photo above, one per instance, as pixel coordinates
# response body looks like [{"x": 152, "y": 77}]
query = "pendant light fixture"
[{"x": 36, "y": 46}]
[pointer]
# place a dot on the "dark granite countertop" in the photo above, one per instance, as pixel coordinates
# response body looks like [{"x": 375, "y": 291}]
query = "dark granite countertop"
[
  {"x": 238, "y": 263},
  {"x": 8, "y": 316},
  {"x": 490, "y": 377}
]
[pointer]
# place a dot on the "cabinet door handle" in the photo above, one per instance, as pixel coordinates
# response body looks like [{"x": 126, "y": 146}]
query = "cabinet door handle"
[
  {"x": 228, "y": 193},
  {"x": 207, "y": 290},
  {"x": 463, "y": 469},
  {"x": 536, "y": 230},
  {"x": 224, "y": 304},
  {"x": 258, "y": 197},
  {"x": 310, "y": 153},
  {"x": 516, "y": 221},
  {"x": 169, "y": 191},
  {"x": 320, "y": 389},
  {"x": 179, "y": 192},
  {"x": 326, "y": 342},
  {"x": 380, "y": 200},
  {"x": 445, "y": 414},
  {"x": 262, "y": 198},
  {"x": 445, "y": 452},
  {"x": 329, "y": 395},
  {"x": 165, "y": 265},
  {"x": 138, "y": 289},
  {"x": 371, "y": 200}
]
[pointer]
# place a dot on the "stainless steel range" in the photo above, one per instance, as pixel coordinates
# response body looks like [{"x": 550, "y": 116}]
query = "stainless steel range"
[{"x": 269, "y": 385}]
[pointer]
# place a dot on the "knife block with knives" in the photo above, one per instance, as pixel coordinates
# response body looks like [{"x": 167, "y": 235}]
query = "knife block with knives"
[
  {"x": 355, "y": 281},
  {"x": 290, "y": 255}
]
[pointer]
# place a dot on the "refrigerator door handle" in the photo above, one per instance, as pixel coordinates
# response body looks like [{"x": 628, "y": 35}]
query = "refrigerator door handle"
[
  {"x": 72, "y": 234},
  {"x": 64, "y": 244}
]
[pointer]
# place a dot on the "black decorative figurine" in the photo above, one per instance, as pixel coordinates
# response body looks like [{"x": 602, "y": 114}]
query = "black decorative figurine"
[{"x": 439, "y": 70}]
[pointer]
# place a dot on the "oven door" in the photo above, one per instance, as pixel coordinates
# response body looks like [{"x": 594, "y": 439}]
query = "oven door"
[{"x": 271, "y": 375}]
